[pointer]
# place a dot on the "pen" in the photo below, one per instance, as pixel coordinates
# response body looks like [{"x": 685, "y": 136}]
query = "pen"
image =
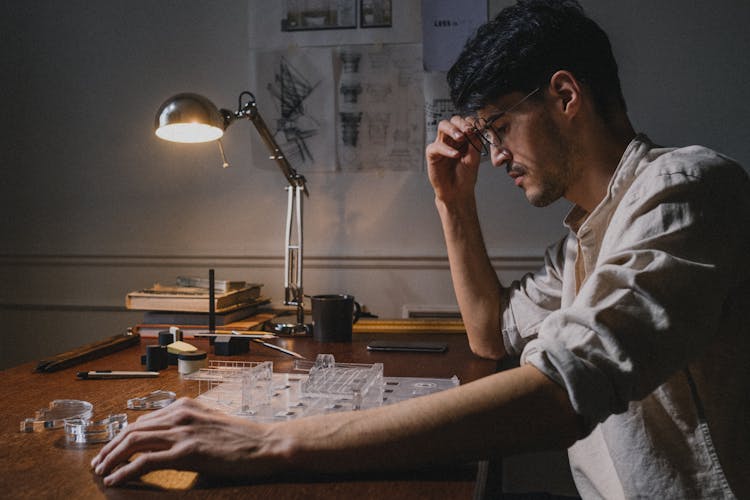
[
  {"x": 281, "y": 349},
  {"x": 102, "y": 374},
  {"x": 234, "y": 333}
]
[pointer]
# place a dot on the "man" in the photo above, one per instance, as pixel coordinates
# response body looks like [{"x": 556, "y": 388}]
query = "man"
[{"x": 633, "y": 350}]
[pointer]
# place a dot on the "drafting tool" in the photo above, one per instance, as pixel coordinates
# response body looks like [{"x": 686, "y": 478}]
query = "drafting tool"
[
  {"x": 234, "y": 333},
  {"x": 88, "y": 352},
  {"x": 107, "y": 374},
  {"x": 409, "y": 325}
]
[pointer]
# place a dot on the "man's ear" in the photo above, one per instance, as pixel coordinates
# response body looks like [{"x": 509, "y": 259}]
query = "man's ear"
[{"x": 565, "y": 88}]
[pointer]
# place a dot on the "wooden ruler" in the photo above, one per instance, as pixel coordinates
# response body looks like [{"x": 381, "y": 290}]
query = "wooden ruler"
[{"x": 410, "y": 325}]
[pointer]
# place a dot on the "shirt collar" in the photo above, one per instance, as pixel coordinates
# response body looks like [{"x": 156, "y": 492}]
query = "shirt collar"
[{"x": 577, "y": 216}]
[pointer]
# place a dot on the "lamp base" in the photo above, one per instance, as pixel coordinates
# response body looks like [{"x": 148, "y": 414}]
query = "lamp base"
[{"x": 287, "y": 325}]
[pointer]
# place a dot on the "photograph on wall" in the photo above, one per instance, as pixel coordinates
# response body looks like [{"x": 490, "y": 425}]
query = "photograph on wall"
[
  {"x": 375, "y": 14},
  {"x": 303, "y": 15},
  {"x": 321, "y": 23}
]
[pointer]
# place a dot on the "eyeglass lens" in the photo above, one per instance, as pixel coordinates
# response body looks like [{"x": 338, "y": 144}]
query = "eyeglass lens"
[{"x": 484, "y": 135}]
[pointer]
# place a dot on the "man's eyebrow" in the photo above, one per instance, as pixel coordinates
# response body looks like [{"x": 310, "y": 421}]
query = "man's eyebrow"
[{"x": 492, "y": 119}]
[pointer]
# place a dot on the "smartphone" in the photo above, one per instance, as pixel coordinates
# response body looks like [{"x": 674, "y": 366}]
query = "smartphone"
[{"x": 407, "y": 346}]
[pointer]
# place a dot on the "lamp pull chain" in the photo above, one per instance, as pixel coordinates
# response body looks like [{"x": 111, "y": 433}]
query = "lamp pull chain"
[{"x": 225, "y": 162}]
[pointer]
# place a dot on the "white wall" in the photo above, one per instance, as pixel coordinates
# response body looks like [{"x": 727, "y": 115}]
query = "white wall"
[{"x": 94, "y": 206}]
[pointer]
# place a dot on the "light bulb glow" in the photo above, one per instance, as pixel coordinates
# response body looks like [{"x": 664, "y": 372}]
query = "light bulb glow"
[{"x": 189, "y": 132}]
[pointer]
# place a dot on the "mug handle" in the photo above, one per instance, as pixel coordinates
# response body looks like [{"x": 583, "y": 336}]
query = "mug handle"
[{"x": 357, "y": 312}]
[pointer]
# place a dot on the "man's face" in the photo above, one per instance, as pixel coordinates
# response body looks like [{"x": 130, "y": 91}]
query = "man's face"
[{"x": 531, "y": 147}]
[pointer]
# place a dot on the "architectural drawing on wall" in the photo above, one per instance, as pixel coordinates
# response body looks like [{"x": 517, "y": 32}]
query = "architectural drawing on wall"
[
  {"x": 401, "y": 154},
  {"x": 378, "y": 60},
  {"x": 377, "y": 130},
  {"x": 376, "y": 92},
  {"x": 291, "y": 89},
  {"x": 350, "y": 62},
  {"x": 435, "y": 111},
  {"x": 350, "y": 92},
  {"x": 384, "y": 127},
  {"x": 298, "y": 86},
  {"x": 350, "y": 127},
  {"x": 350, "y": 114},
  {"x": 318, "y": 15},
  {"x": 438, "y": 104}
]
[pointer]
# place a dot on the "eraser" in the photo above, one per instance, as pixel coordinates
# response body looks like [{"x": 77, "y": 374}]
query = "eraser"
[{"x": 179, "y": 347}]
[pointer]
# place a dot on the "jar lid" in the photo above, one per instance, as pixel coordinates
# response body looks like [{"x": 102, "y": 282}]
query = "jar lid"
[{"x": 192, "y": 356}]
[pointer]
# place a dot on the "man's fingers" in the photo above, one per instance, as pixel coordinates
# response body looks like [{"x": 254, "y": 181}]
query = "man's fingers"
[
  {"x": 456, "y": 129},
  {"x": 181, "y": 412},
  {"x": 142, "y": 464},
  {"x": 141, "y": 425},
  {"x": 132, "y": 443},
  {"x": 440, "y": 149}
]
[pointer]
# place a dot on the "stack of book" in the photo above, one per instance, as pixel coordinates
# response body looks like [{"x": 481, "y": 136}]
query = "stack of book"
[{"x": 238, "y": 306}]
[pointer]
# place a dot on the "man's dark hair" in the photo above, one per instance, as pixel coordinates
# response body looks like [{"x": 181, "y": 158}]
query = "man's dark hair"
[{"x": 525, "y": 45}]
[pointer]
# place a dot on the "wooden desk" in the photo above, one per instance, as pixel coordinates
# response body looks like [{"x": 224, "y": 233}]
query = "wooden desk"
[{"x": 42, "y": 465}]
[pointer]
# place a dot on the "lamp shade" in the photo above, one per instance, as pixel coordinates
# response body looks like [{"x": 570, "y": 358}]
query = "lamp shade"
[{"x": 189, "y": 118}]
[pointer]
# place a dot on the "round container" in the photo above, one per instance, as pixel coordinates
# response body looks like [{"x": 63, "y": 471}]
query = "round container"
[{"x": 189, "y": 362}]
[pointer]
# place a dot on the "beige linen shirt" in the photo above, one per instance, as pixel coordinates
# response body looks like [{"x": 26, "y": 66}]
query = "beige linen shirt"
[{"x": 640, "y": 313}]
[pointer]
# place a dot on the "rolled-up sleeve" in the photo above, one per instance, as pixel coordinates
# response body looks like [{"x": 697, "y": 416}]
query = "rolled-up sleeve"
[
  {"x": 528, "y": 301},
  {"x": 675, "y": 248}
]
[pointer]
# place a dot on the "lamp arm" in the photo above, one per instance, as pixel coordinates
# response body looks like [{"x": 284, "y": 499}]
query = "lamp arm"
[
  {"x": 293, "y": 287},
  {"x": 250, "y": 111}
]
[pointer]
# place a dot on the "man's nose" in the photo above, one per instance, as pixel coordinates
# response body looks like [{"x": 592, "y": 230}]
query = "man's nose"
[{"x": 501, "y": 157}]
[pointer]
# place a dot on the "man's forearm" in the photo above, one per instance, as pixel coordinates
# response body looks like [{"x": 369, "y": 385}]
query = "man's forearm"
[
  {"x": 475, "y": 283},
  {"x": 511, "y": 412}
]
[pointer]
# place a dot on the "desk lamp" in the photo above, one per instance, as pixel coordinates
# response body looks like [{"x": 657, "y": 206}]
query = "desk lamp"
[{"x": 193, "y": 118}]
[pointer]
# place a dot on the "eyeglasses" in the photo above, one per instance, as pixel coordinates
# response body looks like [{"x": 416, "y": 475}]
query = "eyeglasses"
[{"x": 483, "y": 135}]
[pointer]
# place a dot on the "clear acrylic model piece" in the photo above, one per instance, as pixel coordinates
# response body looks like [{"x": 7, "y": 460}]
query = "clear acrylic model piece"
[
  {"x": 85, "y": 431},
  {"x": 253, "y": 391},
  {"x": 54, "y": 416},
  {"x": 356, "y": 385},
  {"x": 152, "y": 401},
  {"x": 221, "y": 384}
]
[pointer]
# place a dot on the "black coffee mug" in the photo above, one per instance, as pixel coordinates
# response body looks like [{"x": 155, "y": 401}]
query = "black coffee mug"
[{"x": 333, "y": 317}]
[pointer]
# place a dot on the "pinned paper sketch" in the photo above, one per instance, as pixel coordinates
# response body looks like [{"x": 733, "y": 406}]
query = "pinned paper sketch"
[
  {"x": 380, "y": 107},
  {"x": 291, "y": 89},
  {"x": 349, "y": 123},
  {"x": 438, "y": 104},
  {"x": 445, "y": 29},
  {"x": 350, "y": 108},
  {"x": 298, "y": 83}
]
